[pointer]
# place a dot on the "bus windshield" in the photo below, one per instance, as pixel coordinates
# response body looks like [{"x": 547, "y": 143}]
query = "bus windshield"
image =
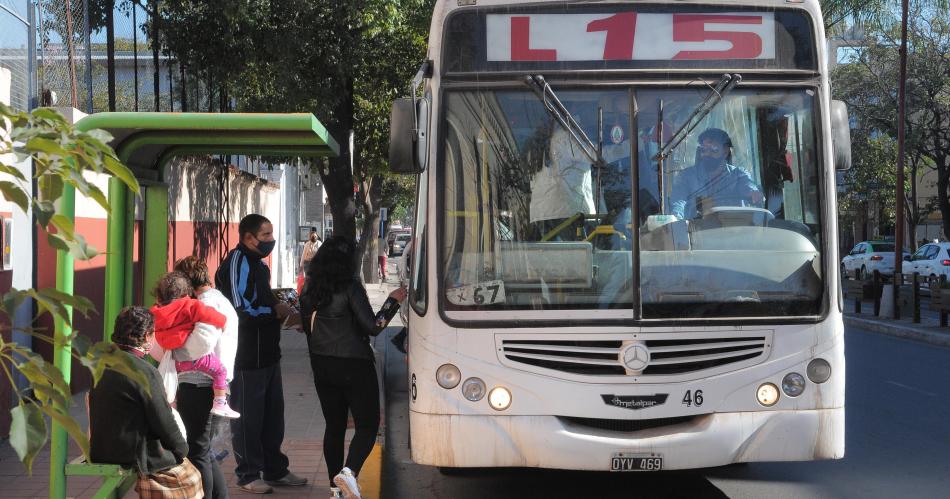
[{"x": 728, "y": 220}]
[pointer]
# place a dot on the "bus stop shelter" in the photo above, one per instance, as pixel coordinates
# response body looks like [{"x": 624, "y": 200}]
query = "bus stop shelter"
[{"x": 146, "y": 142}]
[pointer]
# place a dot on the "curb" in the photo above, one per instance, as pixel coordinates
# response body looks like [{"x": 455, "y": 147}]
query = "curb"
[{"x": 900, "y": 331}]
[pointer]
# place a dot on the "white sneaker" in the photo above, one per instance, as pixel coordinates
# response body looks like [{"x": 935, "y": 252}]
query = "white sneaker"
[
  {"x": 336, "y": 493},
  {"x": 347, "y": 484}
]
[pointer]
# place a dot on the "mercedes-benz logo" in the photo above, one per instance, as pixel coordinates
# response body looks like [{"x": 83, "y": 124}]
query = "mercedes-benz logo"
[{"x": 636, "y": 357}]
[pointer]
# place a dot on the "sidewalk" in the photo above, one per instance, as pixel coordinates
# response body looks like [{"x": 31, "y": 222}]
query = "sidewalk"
[
  {"x": 303, "y": 439},
  {"x": 927, "y": 331}
]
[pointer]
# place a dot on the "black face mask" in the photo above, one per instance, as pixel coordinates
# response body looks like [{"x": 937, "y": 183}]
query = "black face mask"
[
  {"x": 710, "y": 164},
  {"x": 265, "y": 247}
]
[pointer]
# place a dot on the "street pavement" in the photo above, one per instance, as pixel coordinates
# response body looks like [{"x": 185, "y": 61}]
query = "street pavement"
[{"x": 897, "y": 444}]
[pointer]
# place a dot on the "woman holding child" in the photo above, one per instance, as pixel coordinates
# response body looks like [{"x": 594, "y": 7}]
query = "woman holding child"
[{"x": 205, "y": 360}]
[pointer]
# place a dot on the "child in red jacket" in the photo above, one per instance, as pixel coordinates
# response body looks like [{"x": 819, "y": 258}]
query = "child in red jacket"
[{"x": 176, "y": 314}]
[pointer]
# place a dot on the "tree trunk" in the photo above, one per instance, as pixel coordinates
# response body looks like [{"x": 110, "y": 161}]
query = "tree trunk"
[
  {"x": 338, "y": 179},
  {"x": 371, "y": 197},
  {"x": 943, "y": 195}
]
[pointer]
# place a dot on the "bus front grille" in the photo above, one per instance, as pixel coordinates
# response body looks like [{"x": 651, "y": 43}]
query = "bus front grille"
[
  {"x": 670, "y": 355},
  {"x": 624, "y": 425}
]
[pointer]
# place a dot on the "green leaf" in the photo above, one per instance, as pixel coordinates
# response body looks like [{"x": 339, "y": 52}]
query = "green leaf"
[
  {"x": 48, "y": 114},
  {"x": 12, "y": 171},
  {"x": 57, "y": 242},
  {"x": 63, "y": 225},
  {"x": 51, "y": 187},
  {"x": 27, "y": 433},
  {"x": 81, "y": 344},
  {"x": 55, "y": 308},
  {"x": 80, "y": 304},
  {"x": 12, "y": 300},
  {"x": 117, "y": 169},
  {"x": 100, "y": 135},
  {"x": 88, "y": 189},
  {"x": 70, "y": 425},
  {"x": 14, "y": 194},
  {"x": 44, "y": 211},
  {"x": 43, "y": 145},
  {"x": 104, "y": 355}
]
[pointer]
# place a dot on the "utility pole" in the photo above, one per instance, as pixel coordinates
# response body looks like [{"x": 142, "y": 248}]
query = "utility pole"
[{"x": 901, "y": 98}]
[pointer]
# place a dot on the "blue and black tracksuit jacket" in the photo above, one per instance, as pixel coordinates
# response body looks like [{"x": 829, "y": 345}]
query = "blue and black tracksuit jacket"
[{"x": 245, "y": 280}]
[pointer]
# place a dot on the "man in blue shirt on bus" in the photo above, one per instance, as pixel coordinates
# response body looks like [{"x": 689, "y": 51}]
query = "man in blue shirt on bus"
[{"x": 713, "y": 181}]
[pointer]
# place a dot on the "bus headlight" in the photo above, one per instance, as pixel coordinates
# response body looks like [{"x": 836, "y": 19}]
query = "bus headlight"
[
  {"x": 819, "y": 371},
  {"x": 767, "y": 394},
  {"x": 793, "y": 384},
  {"x": 473, "y": 389},
  {"x": 448, "y": 376},
  {"x": 499, "y": 398}
]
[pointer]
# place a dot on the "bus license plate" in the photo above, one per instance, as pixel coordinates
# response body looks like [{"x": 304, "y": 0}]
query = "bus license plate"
[{"x": 635, "y": 462}]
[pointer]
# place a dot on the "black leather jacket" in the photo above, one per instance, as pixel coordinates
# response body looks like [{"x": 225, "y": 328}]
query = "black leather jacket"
[{"x": 342, "y": 328}]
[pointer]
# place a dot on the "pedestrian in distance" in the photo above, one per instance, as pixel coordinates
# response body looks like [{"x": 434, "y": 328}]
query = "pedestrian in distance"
[
  {"x": 257, "y": 390},
  {"x": 338, "y": 320},
  {"x": 195, "y": 395}
]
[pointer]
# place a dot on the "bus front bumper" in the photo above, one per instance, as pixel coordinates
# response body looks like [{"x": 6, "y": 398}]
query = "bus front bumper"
[{"x": 551, "y": 442}]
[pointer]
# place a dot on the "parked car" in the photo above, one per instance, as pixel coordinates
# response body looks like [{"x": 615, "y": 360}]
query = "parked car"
[
  {"x": 868, "y": 256},
  {"x": 399, "y": 244},
  {"x": 391, "y": 236},
  {"x": 930, "y": 260}
]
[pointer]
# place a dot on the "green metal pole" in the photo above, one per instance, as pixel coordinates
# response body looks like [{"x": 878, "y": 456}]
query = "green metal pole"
[
  {"x": 61, "y": 351},
  {"x": 129, "y": 264},
  {"x": 155, "y": 256},
  {"x": 115, "y": 256}
]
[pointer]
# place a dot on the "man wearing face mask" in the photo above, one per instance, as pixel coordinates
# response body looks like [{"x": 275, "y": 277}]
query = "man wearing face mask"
[
  {"x": 713, "y": 181},
  {"x": 257, "y": 389}
]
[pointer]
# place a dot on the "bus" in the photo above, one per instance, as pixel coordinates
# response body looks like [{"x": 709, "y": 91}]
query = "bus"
[{"x": 625, "y": 236}]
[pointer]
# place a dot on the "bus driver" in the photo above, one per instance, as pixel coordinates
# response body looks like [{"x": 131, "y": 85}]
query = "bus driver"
[{"x": 713, "y": 181}]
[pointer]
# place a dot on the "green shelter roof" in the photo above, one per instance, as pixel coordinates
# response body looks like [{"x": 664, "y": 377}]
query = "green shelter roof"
[{"x": 144, "y": 141}]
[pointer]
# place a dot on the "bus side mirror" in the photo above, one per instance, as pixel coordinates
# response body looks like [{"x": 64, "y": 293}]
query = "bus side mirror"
[
  {"x": 408, "y": 139},
  {"x": 840, "y": 135}
]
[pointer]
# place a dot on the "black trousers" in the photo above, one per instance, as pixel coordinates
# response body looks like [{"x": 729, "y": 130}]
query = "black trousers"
[
  {"x": 258, "y": 394},
  {"x": 194, "y": 405},
  {"x": 347, "y": 386}
]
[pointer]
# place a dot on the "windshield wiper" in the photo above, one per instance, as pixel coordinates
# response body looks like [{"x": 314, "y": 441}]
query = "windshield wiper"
[
  {"x": 714, "y": 97},
  {"x": 557, "y": 110}
]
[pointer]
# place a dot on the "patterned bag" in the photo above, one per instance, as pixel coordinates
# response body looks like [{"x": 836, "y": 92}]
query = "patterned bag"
[{"x": 179, "y": 482}]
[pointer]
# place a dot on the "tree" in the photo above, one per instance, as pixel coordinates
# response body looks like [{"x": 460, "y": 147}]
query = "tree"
[
  {"x": 343, "y": 61},
  {"x": 868, "y": 85},
  {"x": 60, "y": 155}
]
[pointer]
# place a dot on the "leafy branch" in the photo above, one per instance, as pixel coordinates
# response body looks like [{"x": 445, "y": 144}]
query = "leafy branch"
[{"x": 61, "y": 156}]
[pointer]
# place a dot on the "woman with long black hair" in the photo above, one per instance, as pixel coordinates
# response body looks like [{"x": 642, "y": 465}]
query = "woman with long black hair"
[{"x": 338, "y": 321}]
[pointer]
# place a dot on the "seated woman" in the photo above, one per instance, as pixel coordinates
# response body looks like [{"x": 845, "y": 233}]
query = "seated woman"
[{"x": 133, "y": 428}]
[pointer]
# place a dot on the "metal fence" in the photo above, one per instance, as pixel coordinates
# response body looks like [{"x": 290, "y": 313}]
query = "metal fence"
[
  {"x": 15, "y": 50},
  {"x": 72, "y": 56}
]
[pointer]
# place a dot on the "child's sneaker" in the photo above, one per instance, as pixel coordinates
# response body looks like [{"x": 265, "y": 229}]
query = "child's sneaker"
[
  {"x": 347, "y": 484},
  {"x": 221, "y": 408},
  {"x": 336, "y": 493}
]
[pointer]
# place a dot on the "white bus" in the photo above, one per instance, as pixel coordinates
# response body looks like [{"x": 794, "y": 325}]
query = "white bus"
[{"x": 625, "y": 253}]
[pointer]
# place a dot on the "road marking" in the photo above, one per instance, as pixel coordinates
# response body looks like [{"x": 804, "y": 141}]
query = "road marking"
[
  {"x": 371, "y": 474},
  {"x": 918, "y": 390}
]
